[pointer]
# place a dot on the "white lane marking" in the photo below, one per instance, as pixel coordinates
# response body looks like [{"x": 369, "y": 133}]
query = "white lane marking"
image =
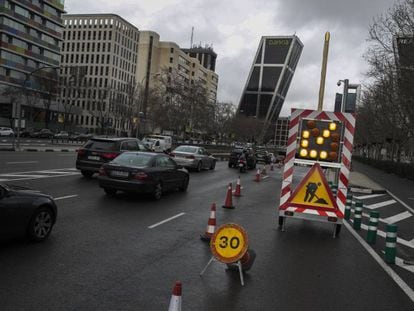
[
  {"x": 410, "y": 198},
  {"x": 21, "y": 175},
  {"x": 369, "y": 196},
  {"x": 399, "y": 262},
  {"x": 399, "y": 281},
  {"x": 401, "y": 201},
  {"x": 23, "y": 162},
  {"x": 41, "y": 177},
  {"x": 398, "y": 217},
  {"x": 165, "y": 220},
  {"x": 54, "y": 172},
  {"x": 66, "y": 197},
  {"x": 380, "y": 204}
]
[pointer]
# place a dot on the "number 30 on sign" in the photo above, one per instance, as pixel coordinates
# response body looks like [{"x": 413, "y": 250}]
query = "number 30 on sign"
[{"x": 229, "y": 243}]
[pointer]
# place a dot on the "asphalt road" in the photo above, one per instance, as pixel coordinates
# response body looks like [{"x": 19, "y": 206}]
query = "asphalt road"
[{"x": 105, "y": 253}]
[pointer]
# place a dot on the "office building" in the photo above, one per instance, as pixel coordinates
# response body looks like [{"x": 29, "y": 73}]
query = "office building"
[
  {"x": 156, "y": 56},
  {"x": 30, "y": 40},
  {"x": 269, "y": 78},
  {"x": 99, "y": 66},
  {"x": 206, "y": 56}
]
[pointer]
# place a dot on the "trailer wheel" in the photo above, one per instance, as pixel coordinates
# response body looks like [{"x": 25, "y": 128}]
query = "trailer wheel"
[{"x": 281, "y": 221}]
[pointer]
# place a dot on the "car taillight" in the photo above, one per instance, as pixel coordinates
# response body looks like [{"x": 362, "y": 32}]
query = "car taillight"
[
  {"x": 190, "y": 157},
  {"x": 81, "y": 152},
  {"x": 140, "y": 176},
  {"x": 109, "y": 155},
  {"x": 102, "y": 172}
]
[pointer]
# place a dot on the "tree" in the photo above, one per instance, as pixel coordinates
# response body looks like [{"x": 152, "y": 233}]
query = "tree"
[{"x": 387, "y": 108}]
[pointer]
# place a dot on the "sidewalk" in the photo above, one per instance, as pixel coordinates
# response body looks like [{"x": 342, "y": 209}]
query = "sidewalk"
[{"x": 359, "y": 182}]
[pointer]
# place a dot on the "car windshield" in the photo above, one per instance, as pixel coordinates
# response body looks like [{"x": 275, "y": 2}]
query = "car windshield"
[
  {"x": 101, "y": 145},
  {"x": 187, "y": 149},
  {"x": 133, "y": 159}
]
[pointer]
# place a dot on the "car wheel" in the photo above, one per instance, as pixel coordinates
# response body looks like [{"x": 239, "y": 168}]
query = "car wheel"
[
  {"x": 157, "y": 191},
  {"x": 110, "y": 191},
  {"x": 87, "y": 174},
  {"x": 41, "y": 224},
  {"x": 199, "y": 166},
  {"x": 213, "y": 165},
  {"x": 184, "y": 186}
]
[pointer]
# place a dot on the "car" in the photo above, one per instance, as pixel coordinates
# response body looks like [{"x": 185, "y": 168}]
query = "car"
[
  {"x": 262, "y": 155},
  {"x": 193, "y": 157},
  {"x": 143, "y": 172},
  {"x": 61, "y": 135},
  {"x": 82, "y": 137},
  {"x": 100, "y": 150},
  {"x": 26, "y": 132},
  {"x": 43, "y": 133},
  {"x": 237, "y": 151},
  {"x": 26, "y": 212},
  {"x": 6, "y": 131}
]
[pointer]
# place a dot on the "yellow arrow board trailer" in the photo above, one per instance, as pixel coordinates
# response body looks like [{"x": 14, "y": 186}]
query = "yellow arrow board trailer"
[{"x": 321, "y": 140}]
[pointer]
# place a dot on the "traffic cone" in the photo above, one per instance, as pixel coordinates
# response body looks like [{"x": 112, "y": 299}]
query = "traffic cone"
[
  {"x": 237, "y": 193},
  {"x": 264, "y": 170},
  {"x": 246, "y": 261},
  {"x": 175, "y": 302},
  {"x": 211, "y": 225},
  {"x": 257, "y": 175},
  {"x": 229, "y": 202}
]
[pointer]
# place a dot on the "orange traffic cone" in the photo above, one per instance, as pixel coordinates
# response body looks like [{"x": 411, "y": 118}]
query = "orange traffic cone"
[
  {"x": 237, "y": 192},
  {"x": 229, "y": 202},
  {"x": 211, "y": 225},
  {"x": 257, "y": 175},
  {"x": 175, "y": 302}
]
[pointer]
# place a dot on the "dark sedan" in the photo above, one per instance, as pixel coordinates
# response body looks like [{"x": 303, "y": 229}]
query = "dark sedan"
[
  {"x": 26, "y": 212},
  {"x": 143, "y": 172}
]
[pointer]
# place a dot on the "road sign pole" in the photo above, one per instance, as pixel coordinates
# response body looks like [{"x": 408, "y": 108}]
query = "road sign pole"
[{"x": 348, "y": 206}]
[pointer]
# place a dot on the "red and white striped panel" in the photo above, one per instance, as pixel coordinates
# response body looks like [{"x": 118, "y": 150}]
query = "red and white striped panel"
[
  {"x": 348, "y": 119},
  {"x": 314, "y": 212}
]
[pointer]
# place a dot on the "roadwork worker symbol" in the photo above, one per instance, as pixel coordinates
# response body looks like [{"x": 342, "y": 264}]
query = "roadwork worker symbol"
[{"x": 311, "y": 188}]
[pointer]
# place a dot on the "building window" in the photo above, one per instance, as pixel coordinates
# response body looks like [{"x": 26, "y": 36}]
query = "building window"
[
  {"x": 171, "y": 50},
  {"x": 171, "y": 60}
]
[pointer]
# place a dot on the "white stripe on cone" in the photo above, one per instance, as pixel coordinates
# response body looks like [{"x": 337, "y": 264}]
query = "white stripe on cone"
[{"x": 175, "y": 303}]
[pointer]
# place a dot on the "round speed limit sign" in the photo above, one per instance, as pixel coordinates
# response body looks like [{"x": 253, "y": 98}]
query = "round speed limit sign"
[{"x": 229, "y": 243}]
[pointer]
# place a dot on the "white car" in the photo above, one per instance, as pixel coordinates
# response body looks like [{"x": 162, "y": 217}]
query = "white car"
[{"x": 6, "y": 131}]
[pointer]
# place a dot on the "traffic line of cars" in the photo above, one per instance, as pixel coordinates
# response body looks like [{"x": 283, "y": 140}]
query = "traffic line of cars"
[{"x": 126, "y": 164}]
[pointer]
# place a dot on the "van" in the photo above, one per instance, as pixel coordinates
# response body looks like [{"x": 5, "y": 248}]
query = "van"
[{"x": 158, "y": 143}]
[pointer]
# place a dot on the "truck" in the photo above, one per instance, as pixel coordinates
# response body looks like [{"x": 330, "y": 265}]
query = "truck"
[{"x": 158, "y": 143}]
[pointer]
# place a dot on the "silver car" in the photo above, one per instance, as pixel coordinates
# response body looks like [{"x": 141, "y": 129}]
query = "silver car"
[{"x": 193, "y": 157}]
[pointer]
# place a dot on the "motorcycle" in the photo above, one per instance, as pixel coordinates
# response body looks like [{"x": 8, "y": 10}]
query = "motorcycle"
[{"x": 242, "y": 164}]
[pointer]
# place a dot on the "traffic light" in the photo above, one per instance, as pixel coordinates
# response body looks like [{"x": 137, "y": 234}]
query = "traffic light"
[{"x": 320, "y": 140}]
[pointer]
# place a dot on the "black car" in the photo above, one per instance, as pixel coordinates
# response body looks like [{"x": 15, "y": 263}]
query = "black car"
[
  {"x": 143, "y": 172},
  {"x": 250, "y": 157},
  {"x": 98, "y": 151},
  {"x": 263, "y": 156},
  {"x": 26, "y": 212}
]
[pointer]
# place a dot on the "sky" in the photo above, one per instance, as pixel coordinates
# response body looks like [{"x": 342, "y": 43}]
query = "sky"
[{"x": 234, "y": 28}]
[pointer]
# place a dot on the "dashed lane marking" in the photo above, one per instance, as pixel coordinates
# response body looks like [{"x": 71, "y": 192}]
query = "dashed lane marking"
[
  {"x": 380, "y": 204},
  {"x": 66, "y": 197},
  {"x": 165, "y": 220},
  {"x": 23, "y": 162},
  {"x": 369, "y": 196},
  {"x": 397, "y": 218}
]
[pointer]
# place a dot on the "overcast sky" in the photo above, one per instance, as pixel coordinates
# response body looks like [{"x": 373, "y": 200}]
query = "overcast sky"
[{"x": 235, "y": 27}]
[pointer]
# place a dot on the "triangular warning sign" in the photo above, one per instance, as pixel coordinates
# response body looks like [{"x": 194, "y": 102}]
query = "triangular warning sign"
[{"x": 313, "y": 192}]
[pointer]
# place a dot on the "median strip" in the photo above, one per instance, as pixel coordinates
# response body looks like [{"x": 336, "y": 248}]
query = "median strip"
[{"x": 166, "y": 220}]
